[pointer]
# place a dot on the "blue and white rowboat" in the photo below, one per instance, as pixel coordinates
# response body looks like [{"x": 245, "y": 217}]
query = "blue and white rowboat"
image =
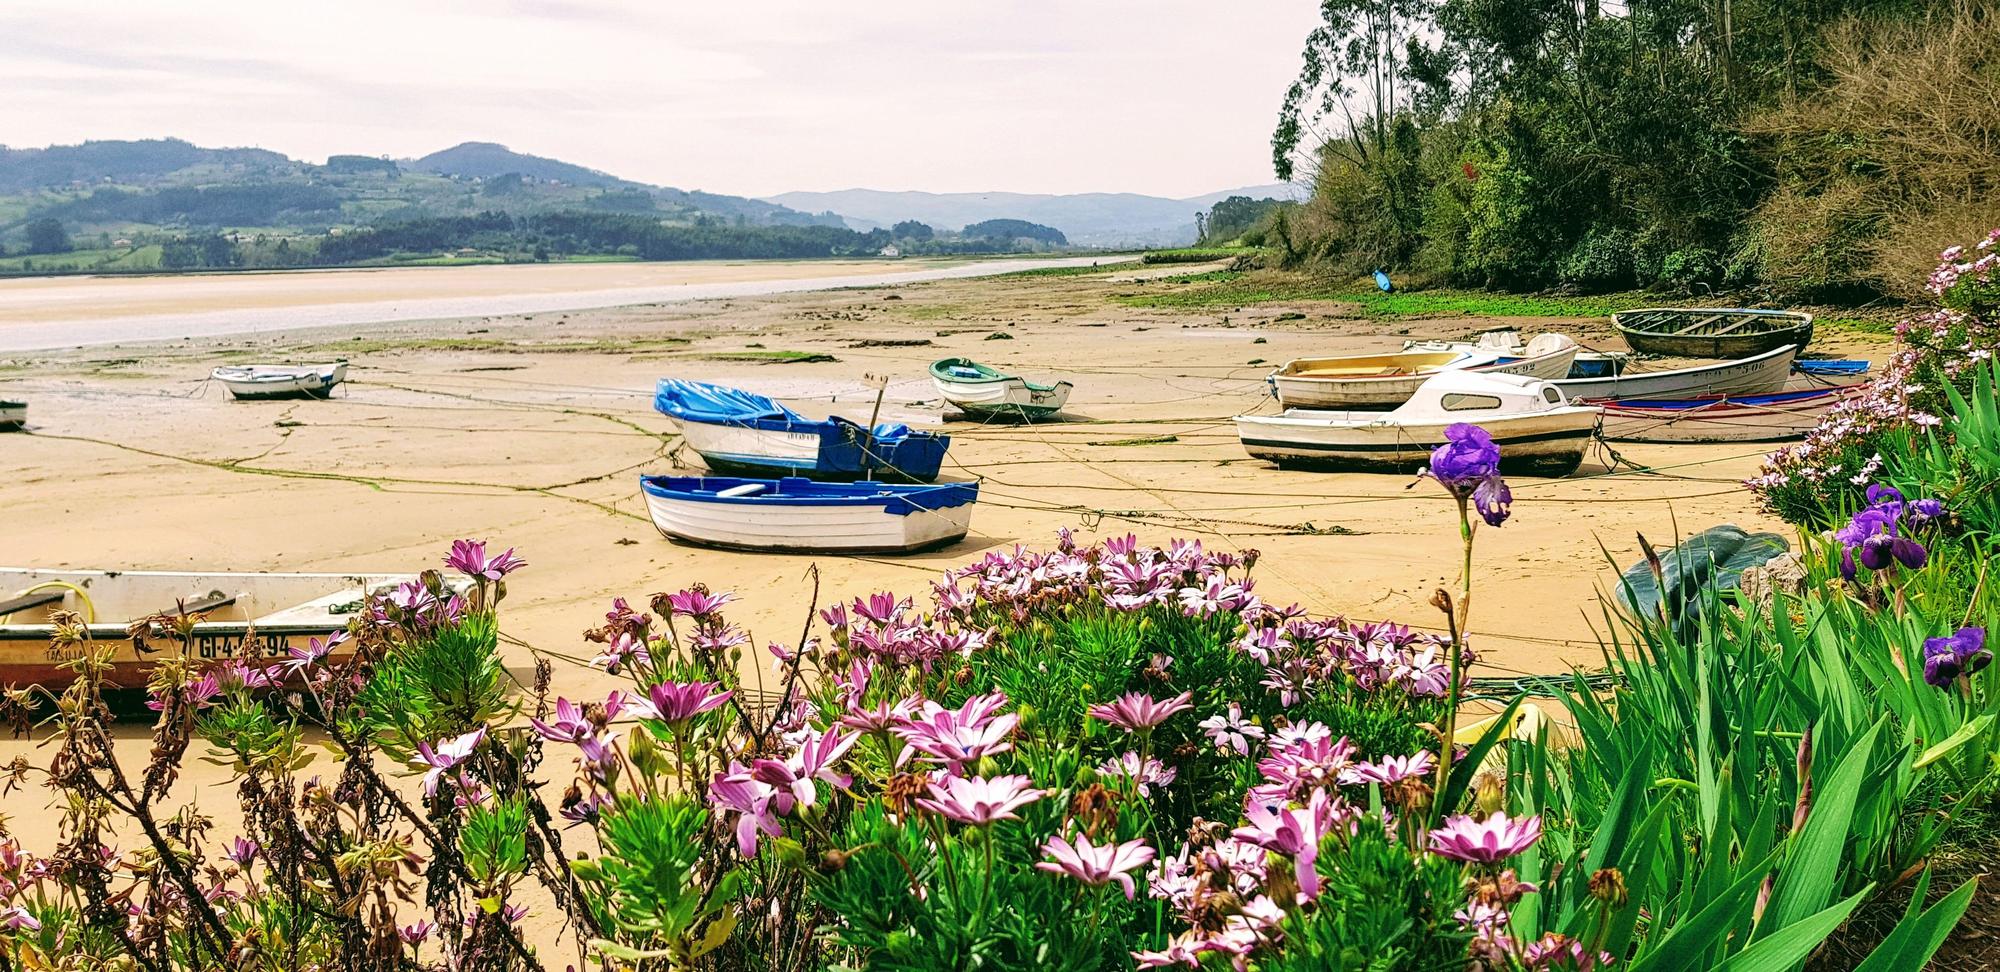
[
  {"x": 735, "y": 431},
  {"x": 797, "y": 515}
]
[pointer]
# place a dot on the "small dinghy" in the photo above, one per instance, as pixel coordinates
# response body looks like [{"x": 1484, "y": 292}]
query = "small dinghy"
[
  {"x": 1721, "y": 418},
  {"x": 797, "y": 515},
  {"x": 1825, "y": 368},
  {"x": 1383, "y": 381},
  {"x": 263, "y": 382},
  {"x": 13, "y": 415},
  {"x": 982, "y": 392},
  {"x": 1764, "y": 374},
  {"x": 1506, "y": 341},
  {"x": 1537, "y": 429},
  {"x": 252, "y": 616},
  {"x": 735, "y": 431},
  {"x": 1712, "y": 332}
]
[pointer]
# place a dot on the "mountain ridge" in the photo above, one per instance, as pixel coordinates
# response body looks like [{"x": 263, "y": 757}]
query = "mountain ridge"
[{"x": 1088, "y": 218}]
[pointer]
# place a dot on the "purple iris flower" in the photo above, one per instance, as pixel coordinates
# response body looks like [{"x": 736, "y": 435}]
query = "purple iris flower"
[
  {"x": 1926, "y": 510},
  {"x": 1468, "y": 464},
  {"x": 1962, "y": 652},
  {"x": 1873, "y": 536}
]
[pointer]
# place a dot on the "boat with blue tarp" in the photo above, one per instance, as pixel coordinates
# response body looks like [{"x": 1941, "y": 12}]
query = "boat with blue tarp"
[{"x": 736, "y": 431}]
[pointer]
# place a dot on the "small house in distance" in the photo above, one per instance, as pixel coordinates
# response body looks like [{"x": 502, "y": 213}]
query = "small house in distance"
[{"x": 892, "y": 251}]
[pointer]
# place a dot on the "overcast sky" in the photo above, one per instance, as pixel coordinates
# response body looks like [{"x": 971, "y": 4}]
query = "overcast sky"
[{"x": 753, "y": 97}]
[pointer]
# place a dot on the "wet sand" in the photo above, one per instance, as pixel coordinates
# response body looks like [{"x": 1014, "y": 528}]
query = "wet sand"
[
  {"x": 531, "y": 432},
  {"x": 57, "y": 312}
]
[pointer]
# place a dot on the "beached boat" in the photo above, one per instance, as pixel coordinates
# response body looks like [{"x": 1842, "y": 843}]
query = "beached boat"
[
  {"x": 982, "y": 392},
  {"x": 735, "y": 431},
  {"x": 1506, "y": 341},
  {"x": 260, "y": 382},
  {"x": 1834, "y": 368},
  {"x": 1722, "y": 418},
  {"x": 242, "y": 615},
  {"x": 797, "y": 515},
  {"x": 13, "y": 415},
  {"x": 1712, "y": 332},
  {"x": 1764, "y": 374},
  {"x": 1382, "y": 381},
  {"x": 1537, "y": 429}
]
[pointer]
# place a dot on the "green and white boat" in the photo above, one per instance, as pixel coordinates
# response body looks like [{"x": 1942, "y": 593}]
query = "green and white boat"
[{"x": 981, "y": 392}]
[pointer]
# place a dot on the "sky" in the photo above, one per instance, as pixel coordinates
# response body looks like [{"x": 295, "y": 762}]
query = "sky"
[{"x": 749, "y": 97}]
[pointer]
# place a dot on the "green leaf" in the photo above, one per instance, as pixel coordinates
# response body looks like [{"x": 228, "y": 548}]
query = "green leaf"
[
  {"x": 1463, "y": 772},
  {"x": 1690, "y": 941},
  {"x": 1783, "y": 950},
  {"x": 1916, "y": 938},
  {"x": 1965, "y": 734},
  {"x": 1812, "y": 871}
]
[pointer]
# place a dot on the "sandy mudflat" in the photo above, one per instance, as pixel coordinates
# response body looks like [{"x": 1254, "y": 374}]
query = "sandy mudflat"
[
  {"x": 56, "y": 312},
  {"x": 531, "y": 433}
]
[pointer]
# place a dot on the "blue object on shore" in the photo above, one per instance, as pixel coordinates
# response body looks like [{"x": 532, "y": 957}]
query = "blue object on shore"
[
  {"x": 1830, "y": 367},
  {"x": 1382, "y": 281},
  {"x": 736, "y": 431}
]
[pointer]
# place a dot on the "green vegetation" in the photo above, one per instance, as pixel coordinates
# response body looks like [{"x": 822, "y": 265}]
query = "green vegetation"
[
  {"x": 1231, "y": 288},
  {"x": 1825, "y": 153},
  {"x": 758, "y": 356},
  {"x": 1192, "y": 255},
  {"x": 1092, "y": 270}
]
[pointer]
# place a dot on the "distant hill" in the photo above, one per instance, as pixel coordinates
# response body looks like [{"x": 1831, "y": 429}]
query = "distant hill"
[
  {"x": 487, "y": 160},
  {"x": 1087, "y": 219},
  {"x": 141, "y": 162}
]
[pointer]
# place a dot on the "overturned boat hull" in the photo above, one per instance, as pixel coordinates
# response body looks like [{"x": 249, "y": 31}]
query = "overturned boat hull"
[{"x": 267, "y": 382}]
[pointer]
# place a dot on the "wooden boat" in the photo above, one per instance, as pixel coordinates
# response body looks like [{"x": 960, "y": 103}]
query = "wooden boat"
[
  {"x": 1506, "y": 341},
  {"x": 1537, "y": 429},
  {"x": 982, "y": 392},
  {"x": 252, "y": 616},
  {"x": 735, "y": 431},
  {"x": 1764, "y": 374},
  {"x": 13, "y": 415},
  {"x": 1712, "y": 332},
  {"x": 1721, "y": 418},
  {"x": 262, "y": 382},
  {"x": 798, "y": 515},
  {"x": 1381, "y": 381}
]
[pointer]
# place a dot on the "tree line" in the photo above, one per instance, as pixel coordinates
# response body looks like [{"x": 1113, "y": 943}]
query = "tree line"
[{"x": 1819, "y": 148}]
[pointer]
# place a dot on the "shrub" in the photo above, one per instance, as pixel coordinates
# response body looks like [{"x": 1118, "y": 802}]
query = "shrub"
[
  {"x": 1939, "y": 352},
  {"x": 1601, "y": 261},
  {"x": 1691, "y": 265}
]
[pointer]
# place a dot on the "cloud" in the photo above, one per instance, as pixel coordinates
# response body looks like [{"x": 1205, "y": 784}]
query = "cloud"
[{"x": 756, "y": 96}]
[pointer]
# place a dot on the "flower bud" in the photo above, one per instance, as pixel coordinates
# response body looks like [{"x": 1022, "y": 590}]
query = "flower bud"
[{"x": 1608, "y": 886}]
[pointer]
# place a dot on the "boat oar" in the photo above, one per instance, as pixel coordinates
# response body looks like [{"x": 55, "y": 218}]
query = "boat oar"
[{"x": 881, "y": 386}]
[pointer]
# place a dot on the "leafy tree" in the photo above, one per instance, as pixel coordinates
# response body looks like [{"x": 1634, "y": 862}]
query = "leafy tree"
[
  {"x": 1014, "y": 229},
  {"x": 910, "y": 229},
  {"x": 46, "y": 235}
]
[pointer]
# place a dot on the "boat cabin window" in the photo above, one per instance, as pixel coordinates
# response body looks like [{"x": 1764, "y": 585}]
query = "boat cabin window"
[
  {"x": 1552, "y": 396},
  {"x": 1457, "y": 402}
]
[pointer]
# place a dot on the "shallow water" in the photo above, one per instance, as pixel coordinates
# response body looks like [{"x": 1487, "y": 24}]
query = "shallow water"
[{"x": 46, "y": 313}]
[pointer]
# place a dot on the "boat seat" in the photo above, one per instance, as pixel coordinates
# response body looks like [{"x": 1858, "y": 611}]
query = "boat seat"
[
  {"x": 1546, "y": 344},
  {"x": 203, "y": 605},
  {"x": 747, "y": 489},
  {"x": 27, "y": 601}
]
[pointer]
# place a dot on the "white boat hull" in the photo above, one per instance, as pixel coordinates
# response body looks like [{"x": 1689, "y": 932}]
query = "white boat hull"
[
  {"x": 1552, "y": 440},
  {"x": 1009, "y": 397},
  {"x": 1723, "y": 422},
  {"x": 828, "y": 529},
  {"x": 264, "y": 383},
  {"x": 1393, "y": 390},
  {"x": 1762, "y": 375},
  {"x": 13, "y": 417},
  {"x": 725, "y": 447}
]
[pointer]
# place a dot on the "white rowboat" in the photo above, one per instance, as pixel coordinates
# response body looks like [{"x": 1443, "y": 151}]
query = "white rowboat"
[
  {"x": 1747, "y": 418},
  {"x": 1764, "y": 374},
  {"x": 981, "y": 391},
  {"x": 1536, "y": 428},
  {"x": 1381, "y": 381},
  {"x": 13, "y": 415},
  {"x": 259, "y": 382},
  {"x": 1507, "y": 341},
  {"x": 797, "y": 515}
]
